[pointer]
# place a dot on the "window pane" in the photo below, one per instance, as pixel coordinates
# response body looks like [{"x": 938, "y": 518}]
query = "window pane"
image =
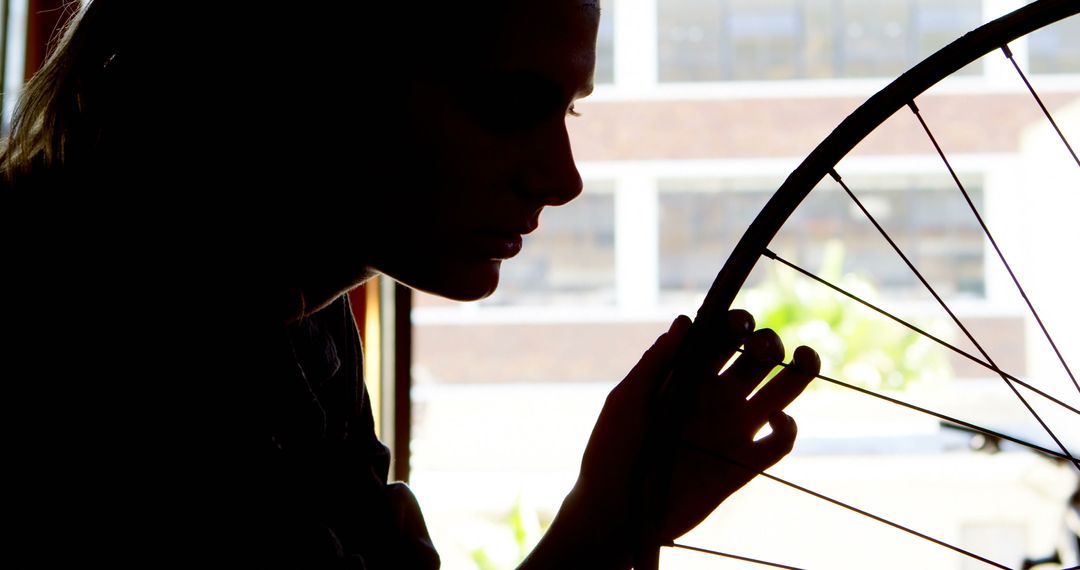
[
  {"x": 927, "y": 217},
  {"x": 689, "y": 40},
  {"x": 875, "y": 38},
  {"x": 701, "y": 221},
  {"x": 719, "y": 40},
  {"x": 1056, "y": 49},
  {"x": 569, "y": 259},
  {"x": 765, "y": 39},
  {"x": 821, "y": 48},
  {"x": 605, "y": 45},
  {"x": 939, "y": 22}
]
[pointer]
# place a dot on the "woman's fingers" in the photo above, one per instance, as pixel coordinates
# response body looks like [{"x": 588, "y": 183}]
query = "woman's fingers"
[
  {"x": 703, "y": 358},
  {"x": 719, "y": 344},
  {"x": 726, "y": 397},
  {"x": 737, "y": 327},
  {"x": 764, "y": 351},
  {"x": 765, "y": 452},
  {"x": 787, "y": 385}
]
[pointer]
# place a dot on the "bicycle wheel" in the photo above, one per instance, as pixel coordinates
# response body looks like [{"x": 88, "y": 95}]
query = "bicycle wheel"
[{"x": 823, "y": 162}]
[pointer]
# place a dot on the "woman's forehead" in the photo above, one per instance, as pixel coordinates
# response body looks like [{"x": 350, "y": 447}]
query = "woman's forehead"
[
  {"x": 554, "y": 27},
  {"x": 555, "y": 39},
  {"x": 583, "y": 13}
]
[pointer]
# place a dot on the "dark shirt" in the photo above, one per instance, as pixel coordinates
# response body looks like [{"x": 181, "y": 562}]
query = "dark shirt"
[
  {"x": 331, "y": 467},
  {"x": 148, "y": 432}
]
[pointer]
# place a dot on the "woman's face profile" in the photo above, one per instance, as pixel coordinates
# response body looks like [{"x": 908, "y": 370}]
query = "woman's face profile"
[{"x": 476, "y": 151}]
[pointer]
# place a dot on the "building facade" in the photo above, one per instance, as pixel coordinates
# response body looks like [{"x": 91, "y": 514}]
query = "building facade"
[{"x": 702, "y": 108}]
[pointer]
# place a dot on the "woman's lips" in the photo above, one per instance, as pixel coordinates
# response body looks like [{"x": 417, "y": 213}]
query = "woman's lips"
[{"x": 496, "y": 245}]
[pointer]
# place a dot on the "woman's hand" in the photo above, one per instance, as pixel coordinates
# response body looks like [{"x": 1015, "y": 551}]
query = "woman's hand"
[{"x": 667, "y": 449}]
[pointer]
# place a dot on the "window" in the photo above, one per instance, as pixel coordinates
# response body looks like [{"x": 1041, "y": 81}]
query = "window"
[
  {"x": 506, "y": 390},
  {"x": 701, "y": 221},
  {"x": 733, "y": 40}
]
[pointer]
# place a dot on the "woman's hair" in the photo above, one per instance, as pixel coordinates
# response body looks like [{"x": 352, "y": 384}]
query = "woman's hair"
[
  {"x": 128, "y": 79},
  {"x": 151, "y": 83},
  {"x": 58, "y": 117}
]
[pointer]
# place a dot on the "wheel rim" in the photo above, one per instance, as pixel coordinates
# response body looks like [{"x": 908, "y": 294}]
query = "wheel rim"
[
  {"x": 855, "y": 128},
  {"x": 843, "y": 139}
]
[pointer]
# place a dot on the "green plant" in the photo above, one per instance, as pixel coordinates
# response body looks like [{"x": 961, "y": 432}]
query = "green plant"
[
  {"x": 856, "y": 345},
  {"x": 524, "y": 529}
]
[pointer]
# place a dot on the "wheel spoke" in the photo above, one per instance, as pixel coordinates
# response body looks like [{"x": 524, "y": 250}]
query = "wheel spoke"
[
  {"x": 940, "y": 416},
  {"x": 990, "y": 237},
  {"x": 773, "y": 256},
  {"x": 945, "y": 306},
  {"x": 1049, "y": 117},
  {"x": 733, "y": 556},
  {"x": 842, "y": 504}
]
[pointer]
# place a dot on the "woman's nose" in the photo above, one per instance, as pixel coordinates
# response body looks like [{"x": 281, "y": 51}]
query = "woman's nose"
[{"x": 552, "y": 176}]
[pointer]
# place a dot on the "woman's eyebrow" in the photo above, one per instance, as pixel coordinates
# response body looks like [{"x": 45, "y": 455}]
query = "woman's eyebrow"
[
  {"x": 524, "y": 86},
  {"x": 528, "y": 79}
]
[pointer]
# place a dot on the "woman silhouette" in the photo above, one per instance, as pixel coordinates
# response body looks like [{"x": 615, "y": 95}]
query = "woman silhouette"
[{"x": 193, "y": 187}]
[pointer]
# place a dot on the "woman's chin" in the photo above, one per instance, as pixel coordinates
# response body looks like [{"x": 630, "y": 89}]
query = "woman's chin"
[{"x": 462, "y": 281}]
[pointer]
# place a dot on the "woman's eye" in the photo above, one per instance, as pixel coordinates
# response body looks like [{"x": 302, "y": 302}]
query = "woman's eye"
[
  {"x": 506, "y": 115},
  {"x": 516, "y": 114}
]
